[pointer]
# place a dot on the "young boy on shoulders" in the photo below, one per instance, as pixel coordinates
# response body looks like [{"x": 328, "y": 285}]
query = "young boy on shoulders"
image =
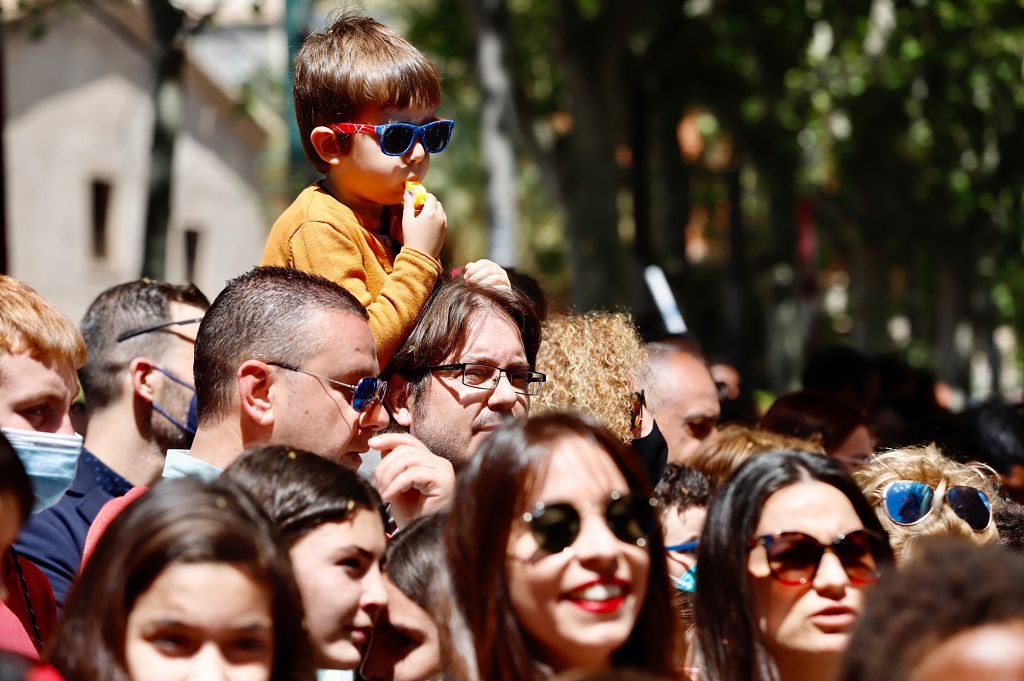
[{"x": 365, "y": 102}]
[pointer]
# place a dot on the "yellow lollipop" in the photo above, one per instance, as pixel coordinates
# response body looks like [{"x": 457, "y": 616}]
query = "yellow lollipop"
[{"x": 419, "y": 191}]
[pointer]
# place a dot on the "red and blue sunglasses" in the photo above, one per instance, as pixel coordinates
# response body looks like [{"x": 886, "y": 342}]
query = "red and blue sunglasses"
[{"x": 396, "y": 139}]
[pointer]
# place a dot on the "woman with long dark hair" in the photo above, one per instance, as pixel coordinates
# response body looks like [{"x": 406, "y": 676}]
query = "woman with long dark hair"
[
  {"x": 550, "y": 541},
  {"x": 186, "y": 581},
  {"x": 330, "y": 522},
  {"x": 789, "y": 544}
]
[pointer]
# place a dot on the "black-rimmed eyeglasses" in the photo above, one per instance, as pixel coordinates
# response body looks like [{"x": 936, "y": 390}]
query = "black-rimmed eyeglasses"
[
  {"x": 486, "y": 377},
  {"x": 364, "y": 393},
  {"x": 156, "y": 327}
]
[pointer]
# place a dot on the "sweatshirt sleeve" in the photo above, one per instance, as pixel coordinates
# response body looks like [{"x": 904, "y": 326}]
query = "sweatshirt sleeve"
[{"x": 338, "y": 255}]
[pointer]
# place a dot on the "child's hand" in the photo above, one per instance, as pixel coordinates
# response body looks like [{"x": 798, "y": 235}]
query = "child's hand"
[
  {"x": 486, "y": 273},
  {"x": 423, "y": 230}
]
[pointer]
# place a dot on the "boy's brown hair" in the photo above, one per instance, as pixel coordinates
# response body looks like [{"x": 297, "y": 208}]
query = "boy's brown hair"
[{"x": 354, "y": 63}]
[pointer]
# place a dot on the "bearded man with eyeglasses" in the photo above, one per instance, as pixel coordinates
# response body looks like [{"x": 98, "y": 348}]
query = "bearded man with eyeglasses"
[{"x": 466, "y": 368}]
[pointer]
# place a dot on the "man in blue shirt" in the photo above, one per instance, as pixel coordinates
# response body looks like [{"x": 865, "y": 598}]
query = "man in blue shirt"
[{"x": 138, "y": 391}]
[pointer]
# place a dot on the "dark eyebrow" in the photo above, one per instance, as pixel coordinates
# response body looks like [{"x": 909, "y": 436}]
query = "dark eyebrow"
[
  {"x": 350, "y": 550},
  {"x": 516, "y": 365},
  {"x": 168, "y": 623}
]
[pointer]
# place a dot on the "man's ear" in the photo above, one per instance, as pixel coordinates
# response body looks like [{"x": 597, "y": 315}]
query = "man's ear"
[
  {"x": 142, "y": 372},
  {"x": 326, "y": 144},
  {"x": 255, "y": 397},
  {"x": 399, "y": 399}
]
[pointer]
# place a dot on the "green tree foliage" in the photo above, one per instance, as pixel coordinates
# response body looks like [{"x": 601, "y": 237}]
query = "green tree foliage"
[{"x": 896, "y": 125}]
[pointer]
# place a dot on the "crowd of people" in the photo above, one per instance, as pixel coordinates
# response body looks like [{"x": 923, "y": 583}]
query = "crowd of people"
[{"x": 354, "y": 465}]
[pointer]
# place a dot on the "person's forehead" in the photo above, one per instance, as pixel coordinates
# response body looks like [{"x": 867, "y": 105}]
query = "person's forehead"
[
  {"x": 491, "y": 335},
  {"x": 21, "y": 372},
  {"x": 380, "y": 115},
  {"x": 347, "y": 348},
  {"x": 812, "y": 507},
  {"x": 689, "y": 381},
  {"x": 559, "y": 478},
  {"x": 679, "y": 521}
]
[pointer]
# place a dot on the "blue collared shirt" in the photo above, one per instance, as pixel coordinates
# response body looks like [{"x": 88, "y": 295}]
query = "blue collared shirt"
[{"x": 54, "y": 538}]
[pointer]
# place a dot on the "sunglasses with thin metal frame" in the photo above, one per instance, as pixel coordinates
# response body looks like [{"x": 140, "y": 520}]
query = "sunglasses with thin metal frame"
[
  {"x": 486, "y": 377},
  {"x": 364, "y": 393},
  {"x": 396, "y": 139},
  {"x": 794, "y": 557},
  {"x": 156, "y": 327},
  {"x": 908, "y": 502},
  {"x": 555, "y": 527}
]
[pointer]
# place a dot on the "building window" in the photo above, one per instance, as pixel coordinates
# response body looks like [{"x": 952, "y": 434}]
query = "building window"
[
  {"x": 191, "y": 253},
  {"x": 100, "y": 197}
]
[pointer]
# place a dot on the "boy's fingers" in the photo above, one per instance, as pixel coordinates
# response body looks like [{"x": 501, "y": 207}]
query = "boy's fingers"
[{"x": 408, "y": 205}]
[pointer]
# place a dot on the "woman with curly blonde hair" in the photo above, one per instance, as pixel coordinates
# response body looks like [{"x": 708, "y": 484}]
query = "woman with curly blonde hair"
[
  {"x": 917, "y": 492},
  {"x": 593, "y": 362}
]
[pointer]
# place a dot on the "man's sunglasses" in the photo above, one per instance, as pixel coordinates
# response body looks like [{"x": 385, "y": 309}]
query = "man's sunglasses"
[
  {"x": 555, "y": 527},
  {"x": 156, "y": 327},
  {"x": 908, "y": 502},
  {"x": 364, "y": 393},
  {"x": 794, "y": 557},
  {"x": 396, "y": 139}
]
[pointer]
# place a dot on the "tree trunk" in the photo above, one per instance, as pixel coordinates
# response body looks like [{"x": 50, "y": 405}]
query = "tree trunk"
[
  {"x": 591, "y": 52},
  {"x": 168, "y": 22},
  {"x": 498, "y": 123}
]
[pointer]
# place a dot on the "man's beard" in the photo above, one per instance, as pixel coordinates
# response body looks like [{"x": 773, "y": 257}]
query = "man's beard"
[{"x": 439, "y": 440}]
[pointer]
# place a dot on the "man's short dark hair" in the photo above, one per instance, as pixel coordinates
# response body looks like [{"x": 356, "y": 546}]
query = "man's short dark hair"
[
  {"x": 268, "y": 313},
  {"x": 125, "y": 307},
  {"x": 682, "y": 487},
  {"x": 441, "y": 327}
]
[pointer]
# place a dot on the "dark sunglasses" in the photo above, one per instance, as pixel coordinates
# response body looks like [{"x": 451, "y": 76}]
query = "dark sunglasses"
[
  {"x": 555, "y": 527},
  {"x": 396, "y": 139},
  {"x": 364, "y": 393},
  {"x": 908, "y": 502},
  {"x": 794, "y": 557}
]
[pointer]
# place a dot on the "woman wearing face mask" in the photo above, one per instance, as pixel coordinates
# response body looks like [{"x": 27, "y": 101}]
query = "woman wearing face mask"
[
  {"x": 331, "y": 522},
  {"x": 550, "y": 541},
  {"x": 186, "y": 583},
  {"x": 793, "y": 544}
]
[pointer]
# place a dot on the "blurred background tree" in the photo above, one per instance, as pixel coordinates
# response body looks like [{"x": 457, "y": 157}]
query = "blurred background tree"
[{"x": 805, "y": 172}]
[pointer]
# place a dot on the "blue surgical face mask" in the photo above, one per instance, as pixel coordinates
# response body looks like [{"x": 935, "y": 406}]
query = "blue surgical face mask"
[
  {"x": 49, "y": 459},
  {"x": 189, "y": 425},
  {"x": 688, "y": 582}
]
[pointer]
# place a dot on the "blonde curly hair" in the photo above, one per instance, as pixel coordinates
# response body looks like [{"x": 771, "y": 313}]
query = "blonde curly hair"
[
  {"x": 928, "y": 465},
  {"x": 720, "y": 455},
  {"x": 593, "y": 363}
]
